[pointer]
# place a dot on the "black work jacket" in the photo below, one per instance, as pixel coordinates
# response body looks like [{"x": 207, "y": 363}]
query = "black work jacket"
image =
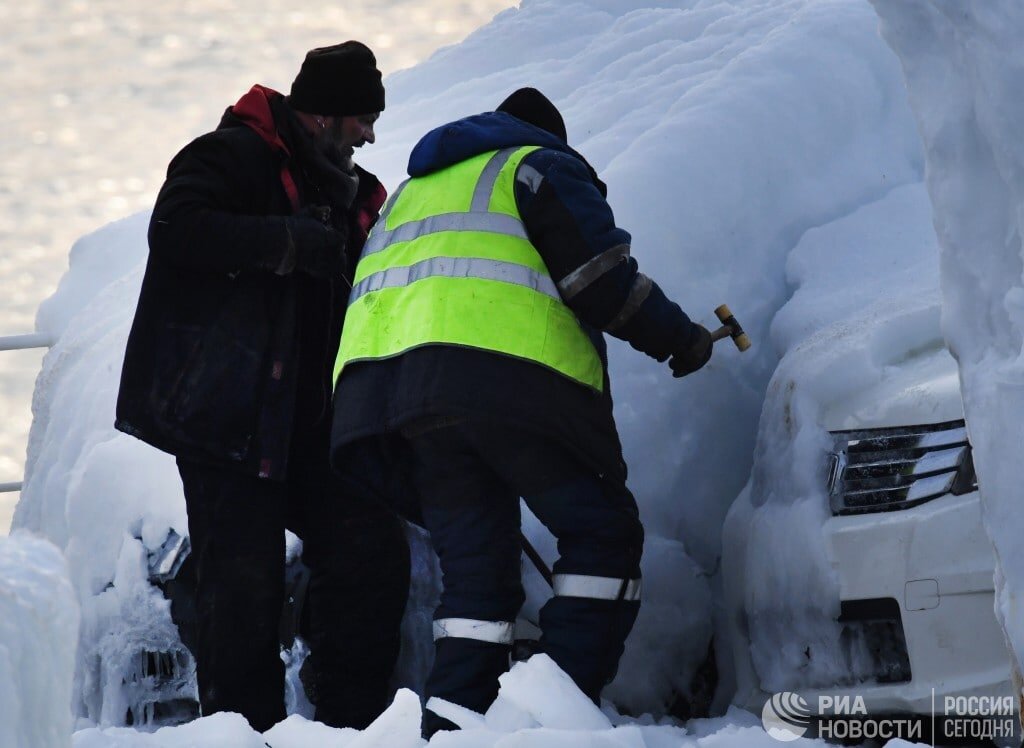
[{"x": 228, "y": 362}]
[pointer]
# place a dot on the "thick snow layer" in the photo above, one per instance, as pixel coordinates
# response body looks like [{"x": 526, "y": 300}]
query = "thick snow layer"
[
  {"x": 861, "y": 347},
  {"x": 964, "y": 68},
  {"x": 757, "y": 151},
  {"x": 38, "y": 633}
]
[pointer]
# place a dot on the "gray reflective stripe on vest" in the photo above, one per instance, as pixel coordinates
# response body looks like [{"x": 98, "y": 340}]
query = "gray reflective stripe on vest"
[
  {"x": 529, "y": 176},
  {"x": 382, "y": 219},
  {"x": 496, "y": 632},
  {"x": 595, "y": 588},
  {"x": 637, "y": 295},
  {"x": 477, "y": 219},
  {"x": 488, "y": 179},
  {"x": 455, "y": 267},
  {"x": 491, "y": 223},
  {"x": 591, "y": 270}
]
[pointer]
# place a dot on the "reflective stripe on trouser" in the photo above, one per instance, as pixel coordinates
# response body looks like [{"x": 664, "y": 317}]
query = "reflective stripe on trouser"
[
  {"x": 495, "y": 632},
  {"x": 469, "y": 477},
  {"x": 595, "y": 588}
]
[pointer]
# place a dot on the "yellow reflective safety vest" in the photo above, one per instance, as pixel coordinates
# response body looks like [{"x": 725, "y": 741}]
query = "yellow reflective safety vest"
[{"x": 449, "y": 263}]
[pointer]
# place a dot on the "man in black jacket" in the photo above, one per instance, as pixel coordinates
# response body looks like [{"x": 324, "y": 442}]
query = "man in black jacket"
[
  {"x": 473, "y": 360},
  {"x": 228, "y": 367}
]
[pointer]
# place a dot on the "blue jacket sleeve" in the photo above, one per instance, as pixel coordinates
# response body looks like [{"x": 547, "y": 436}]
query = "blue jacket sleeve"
[{"x": 571, "y": 224}]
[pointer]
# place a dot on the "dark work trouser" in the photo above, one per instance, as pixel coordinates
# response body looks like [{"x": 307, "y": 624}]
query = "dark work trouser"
[
  {"x": 359, "y": 564},
  {"x": 470, "y": 477}
]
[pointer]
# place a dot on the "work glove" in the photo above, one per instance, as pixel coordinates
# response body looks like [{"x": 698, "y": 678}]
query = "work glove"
[
  {"x": 315, "y": 247},
  {"x": 694, "y": 355}
]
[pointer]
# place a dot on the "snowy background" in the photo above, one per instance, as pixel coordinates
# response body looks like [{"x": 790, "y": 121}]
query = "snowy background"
[{"x": 763, "y": 154}]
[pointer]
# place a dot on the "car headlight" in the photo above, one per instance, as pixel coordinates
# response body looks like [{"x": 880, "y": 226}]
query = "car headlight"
[{"x": 879, "y": 470}]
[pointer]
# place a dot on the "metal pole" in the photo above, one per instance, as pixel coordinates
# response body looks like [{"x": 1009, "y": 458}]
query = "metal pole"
[
  {"x": 538, "y": 562},
  {"x": 24, "y": 342},
  {"x": 21, "y": 343}
]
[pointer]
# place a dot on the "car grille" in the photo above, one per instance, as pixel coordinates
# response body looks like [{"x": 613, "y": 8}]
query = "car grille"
[{"x": 878, "y": 470}]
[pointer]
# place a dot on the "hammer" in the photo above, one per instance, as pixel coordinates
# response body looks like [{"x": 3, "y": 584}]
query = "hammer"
[{"x": 730, "y": 329}]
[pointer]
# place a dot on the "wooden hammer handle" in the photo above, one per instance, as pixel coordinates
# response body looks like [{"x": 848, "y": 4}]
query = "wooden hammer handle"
[{"x": 722, "y": 332}]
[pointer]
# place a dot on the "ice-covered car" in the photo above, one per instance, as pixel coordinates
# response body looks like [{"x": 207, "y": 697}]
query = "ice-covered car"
[
  {"x": 910, "y": 594},
  {"x": 144, "y": 671}
]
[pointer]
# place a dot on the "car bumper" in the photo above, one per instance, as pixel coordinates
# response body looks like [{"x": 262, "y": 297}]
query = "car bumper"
[{"x": 933, "y": 564}]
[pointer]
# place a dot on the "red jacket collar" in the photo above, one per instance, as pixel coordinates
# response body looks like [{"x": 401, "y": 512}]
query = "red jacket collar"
[{"x": 253, "y": 109}]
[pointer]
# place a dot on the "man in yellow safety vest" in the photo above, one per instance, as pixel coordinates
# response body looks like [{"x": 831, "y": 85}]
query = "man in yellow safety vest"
[{"x": 473, "y": 364}]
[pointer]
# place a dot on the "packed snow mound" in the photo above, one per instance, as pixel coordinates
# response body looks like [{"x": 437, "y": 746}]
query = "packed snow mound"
[
  {"x": 726, "y": 132},
  {"x": 964, "y": 70},
  {"x": 38, "y": 634},
  {"x": 861, "y": 347}
]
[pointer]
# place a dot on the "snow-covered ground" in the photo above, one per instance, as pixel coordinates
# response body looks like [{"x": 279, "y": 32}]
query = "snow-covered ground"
[{"x": 763, "y": 154}]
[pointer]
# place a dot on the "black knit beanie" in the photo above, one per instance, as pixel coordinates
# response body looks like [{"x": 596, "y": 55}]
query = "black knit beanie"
[
  {"x": 530, "y": 105},
  {"x": 337, "y": 81}
]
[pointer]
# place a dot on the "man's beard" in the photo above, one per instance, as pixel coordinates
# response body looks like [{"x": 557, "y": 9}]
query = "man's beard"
[{"x": 328, "y": 142}]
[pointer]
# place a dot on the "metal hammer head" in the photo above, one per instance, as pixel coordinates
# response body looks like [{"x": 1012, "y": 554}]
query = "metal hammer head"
[{"x": 730, "y": 328}]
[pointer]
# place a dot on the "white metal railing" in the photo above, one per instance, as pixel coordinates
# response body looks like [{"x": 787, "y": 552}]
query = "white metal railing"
[{"x": 22, "y": 343}]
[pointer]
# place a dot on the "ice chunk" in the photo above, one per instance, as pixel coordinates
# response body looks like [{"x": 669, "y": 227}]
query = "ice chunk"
[
  {"x": 542, "y": 689},
  {"x": 397, "y": 727},
  {"x": 504, "y": 716},
  {"x": 222, "y": 729},
  {"x": 38, "y": 633},
  {"x": 465, "y": 718},
  {"x": 299, "y": 732}
]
